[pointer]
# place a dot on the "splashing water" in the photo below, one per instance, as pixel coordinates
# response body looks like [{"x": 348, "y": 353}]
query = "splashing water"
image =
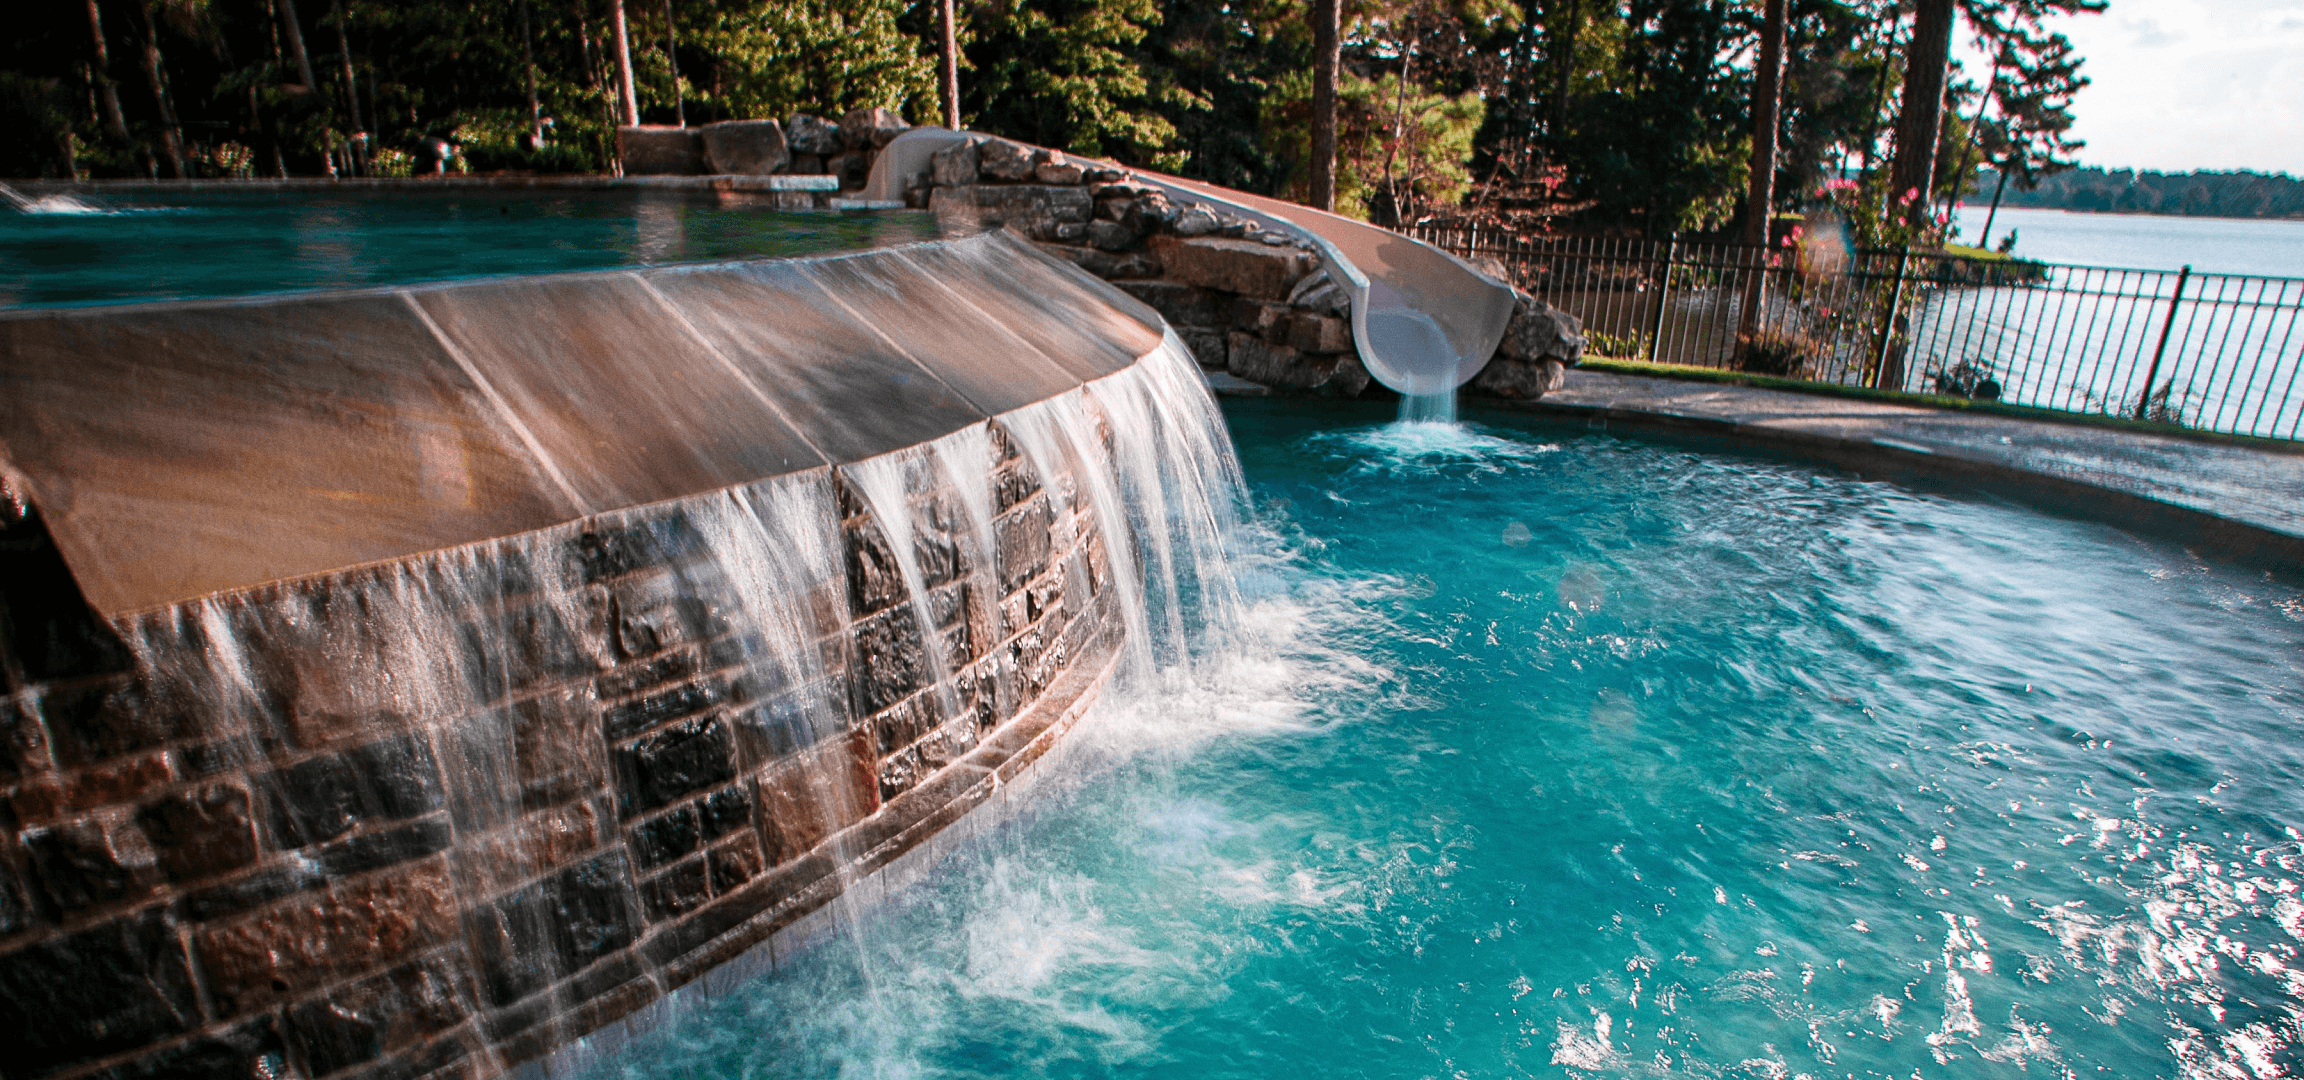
[
  {"x": 45, "y": 204},
  {"x": 1711, "y": 765},
  {"x": 1437, "y": 408}
]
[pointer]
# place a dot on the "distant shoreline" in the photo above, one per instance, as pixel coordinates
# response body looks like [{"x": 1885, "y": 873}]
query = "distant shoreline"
[
  {"x": 2241, "y": 195},
  {"x": 1985, "y": 206}
]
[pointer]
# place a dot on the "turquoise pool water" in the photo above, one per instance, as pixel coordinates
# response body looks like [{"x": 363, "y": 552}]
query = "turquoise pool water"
[
  {"x": 1568, "y": 754},
  {"x": 173, "y": 246}
]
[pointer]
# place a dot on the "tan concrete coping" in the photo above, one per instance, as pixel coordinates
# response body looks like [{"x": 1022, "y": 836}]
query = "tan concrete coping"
[
  {"x": 2223, "y": 498},
  {"x": 181, "y": 449}
]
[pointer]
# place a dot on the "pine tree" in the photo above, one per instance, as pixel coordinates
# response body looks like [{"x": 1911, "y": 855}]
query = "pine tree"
[{"x": 1070, "y": 74}]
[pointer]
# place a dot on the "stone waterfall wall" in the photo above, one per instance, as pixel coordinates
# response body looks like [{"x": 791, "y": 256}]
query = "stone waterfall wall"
[
  {"x": 407, "y": 682},
  {"x": 438, "y": 816}
]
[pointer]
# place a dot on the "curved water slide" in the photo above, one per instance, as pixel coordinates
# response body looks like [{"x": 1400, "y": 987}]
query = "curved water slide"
[{"x": 1424, "y": 321}]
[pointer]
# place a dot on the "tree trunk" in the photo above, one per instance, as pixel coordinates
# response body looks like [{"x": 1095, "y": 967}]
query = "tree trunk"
[
  {"x": 295, "y": 28},
  {"x": 115, "y": 124},
  {"x": 1563, "y": 69},
  {"x": 1759, "y": 200},
  {"x": 1912, "y": 181},
  {"x": 528, "y": 61},
  {"x": 1999, "y": 189},
  {"x": 672, "y": 63},
  {"x": 171, "y": 136},
  {"x": 617, "y": 29},
  {"x": 1767, "y": 91},
  {"x": 351, "y": 81},
  {"x": 1327, "y": 56},
  {"x": 948, "y": 63}
]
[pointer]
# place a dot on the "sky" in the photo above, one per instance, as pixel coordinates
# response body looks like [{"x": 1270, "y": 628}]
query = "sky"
[{"x": 2181, "y": 85}]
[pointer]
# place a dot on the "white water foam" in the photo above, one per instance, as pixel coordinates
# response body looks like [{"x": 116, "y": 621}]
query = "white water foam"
[
  {"x": 1426, "y": 447},
  {"x": 45, "y": 204},
  {"x": 1229, "y": 641}
]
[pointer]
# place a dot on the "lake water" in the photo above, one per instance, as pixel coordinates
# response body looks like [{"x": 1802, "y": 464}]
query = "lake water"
[
  {"x": 1553, "y": 753},
  {"x": 2146, "y": 241}
]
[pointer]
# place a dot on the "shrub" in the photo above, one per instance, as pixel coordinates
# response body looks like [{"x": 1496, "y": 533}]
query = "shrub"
[{"x": 1788, "y": 354}]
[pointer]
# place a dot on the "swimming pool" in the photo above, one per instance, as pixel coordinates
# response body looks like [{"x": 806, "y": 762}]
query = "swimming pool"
[
  {"x": 158, "y": 245},
  {"x": 1547, "y": 752}
]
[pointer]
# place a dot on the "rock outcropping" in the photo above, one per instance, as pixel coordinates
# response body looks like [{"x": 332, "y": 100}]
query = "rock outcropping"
[
  {"x": 1256, "y": 303},
  {"x": 801, "y": 145}
]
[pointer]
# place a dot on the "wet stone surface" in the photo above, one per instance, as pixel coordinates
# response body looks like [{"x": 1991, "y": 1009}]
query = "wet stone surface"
[{"x": 456, "y": 812}]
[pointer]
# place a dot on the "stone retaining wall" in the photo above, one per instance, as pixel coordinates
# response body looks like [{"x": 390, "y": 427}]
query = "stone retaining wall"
[
  {"x": 439, "y": 816},
  {"x": 802, "y": 145},
  {"x": 1248, "y": 301}
]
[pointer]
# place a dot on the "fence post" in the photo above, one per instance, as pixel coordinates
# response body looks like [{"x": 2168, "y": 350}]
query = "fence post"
[
  {"x": 2152, "y": 374},
  {"x": 1880, "y": 378},
  {"x": 1663, "y": 296}
]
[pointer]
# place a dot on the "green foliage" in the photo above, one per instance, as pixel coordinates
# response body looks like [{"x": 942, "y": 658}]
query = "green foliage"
[
  {"x": 1391, "y": 137},
  {"x": 1626, "y": 115},
  {"x": 1213, "y": 65},
  {"x": 1066, "y": 73},
  {"x": 2209, "y": 194},
  {"x": 822, "y": 56},
  {"x": 1666, "y": 148},
  {"x": 391, "y": 162}
]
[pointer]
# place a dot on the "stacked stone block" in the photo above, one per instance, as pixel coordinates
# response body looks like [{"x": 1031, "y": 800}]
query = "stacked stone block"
[
  {"x": 803, "y": 145},
  {"x": 1248, "y": 301},
  {"x": 439, "y": 817}
]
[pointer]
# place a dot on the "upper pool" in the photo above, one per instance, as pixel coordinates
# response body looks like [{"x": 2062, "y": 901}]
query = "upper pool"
[
  {"x": 142, "y": 244},
  {"x": 1547, "y": 752}
]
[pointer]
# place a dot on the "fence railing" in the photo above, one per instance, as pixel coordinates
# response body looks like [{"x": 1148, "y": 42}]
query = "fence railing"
[{"x": 2216, "y": 352}]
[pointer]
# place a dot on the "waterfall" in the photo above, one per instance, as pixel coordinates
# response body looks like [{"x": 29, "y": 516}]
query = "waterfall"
[
  {"x": 1150, "y": 449},
  {"x": 1437, "y": 408},
  {"x": 45, "y": 204},
  {"x": 565, "y": 773}
]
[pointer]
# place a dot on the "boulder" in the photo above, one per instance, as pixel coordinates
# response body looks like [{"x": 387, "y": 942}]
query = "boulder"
[
  {"x": 660, "y": 151},
  {"x": 1111, "y": 266},
  {"x": 1267, "y": 321},
  {"x": 1320, "y": 293},
  {"x": 1258, "y": 361},
  {"x": 853, "y": 169},
  {"x": 1110, "y": 235},
  {"x": 1246, "y": 267},
  {"x": 1307, "y": 331},
  {"x": 1059, "y": 169},
  {"x": 1522, "y": 380},
  {"x": 954, "y": 166},
  {"x": 1120, "y": 189},
  {"x": 1196, "y": 221},
  {"x": 1148, "y": 214},
  {"x": 806, "y": 165},
  {"x": 1206, "y": 343},
  {"x": 1000, "y": 159},
  {"x": 1031, "y": 209},
  {"x": 745, "y": 147},
  {"x": 1351, "y": 377},
  {"x": 1180, "y": 304},
  {"x": 813, "y": 135},
  {"x": 1539, "y": 331},
  {"x": 871, "y": 129}
]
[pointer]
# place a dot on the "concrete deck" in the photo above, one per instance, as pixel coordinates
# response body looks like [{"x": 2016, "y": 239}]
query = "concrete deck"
[{"x": 2231, "y": 500}]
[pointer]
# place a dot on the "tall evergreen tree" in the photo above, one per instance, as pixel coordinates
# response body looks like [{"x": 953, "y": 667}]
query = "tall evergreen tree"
[{"x": 1069, "y": 74}]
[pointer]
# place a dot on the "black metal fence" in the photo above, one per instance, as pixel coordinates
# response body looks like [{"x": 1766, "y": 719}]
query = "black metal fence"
[{"x": 2217, "y": 352}]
